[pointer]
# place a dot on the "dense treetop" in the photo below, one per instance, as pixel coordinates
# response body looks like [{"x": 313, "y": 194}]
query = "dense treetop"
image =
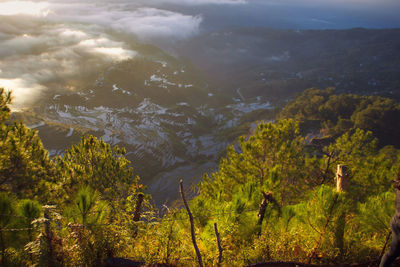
[{"x": 335, "y": 114}]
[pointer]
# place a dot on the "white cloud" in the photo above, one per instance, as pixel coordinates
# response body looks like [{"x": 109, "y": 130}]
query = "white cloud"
[
  {"x": 24, "y": 93},
  {"x": 37, "y": 59},
  {"x": 24, "y": 7},
  {"x": 200, "y": 2},
  {"x": 145, "y": 22},
  {"x": 141, "y": 18},
  {"x": 68, "y": 33},
  {"x": 150, "y": 23},
  {"x": 157, "y": 2},
  {"x": 49, "y": 45}
]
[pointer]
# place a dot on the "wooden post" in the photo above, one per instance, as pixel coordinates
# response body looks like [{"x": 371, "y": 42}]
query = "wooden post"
[
  {"x": 267, "y": 198},
  {"x": 49, "y": 236},
  {"x": 196, "y": 248},
  {"x": 219, "y": 245},
  {"x": 171, "y": 230},
  {"x": 263, "y": 207},
  {"x": 136, "y": 213},
  {"x": 138, "y": 206},
  {"x": 342, "y": 176}
]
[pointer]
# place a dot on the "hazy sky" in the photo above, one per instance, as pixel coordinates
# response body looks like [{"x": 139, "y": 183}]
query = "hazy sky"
[{"x": 46, "y": 44}]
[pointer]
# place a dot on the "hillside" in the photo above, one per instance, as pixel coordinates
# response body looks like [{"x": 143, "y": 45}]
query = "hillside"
[
  {"x": 176, "y": 114},
  {"x": 199, "y": 133},
  {"x": 158, "y": 107},
  {"x": 272, "y": 198}
]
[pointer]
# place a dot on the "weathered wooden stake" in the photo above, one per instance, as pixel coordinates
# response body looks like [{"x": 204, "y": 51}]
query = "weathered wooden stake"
[
  {"x": 342, "y": 177},
  {"x": 219, "y": 245},
  {"x": 191, "y": 224},
  {"x": 171, "y": 230},
  {"x": 138, "y": 206},
  {"x": 267, "y": 198},
  {"x": 49, "y": 236},
  {"x": 263, "y": 207},
  {"x": 136, "y": 213}
]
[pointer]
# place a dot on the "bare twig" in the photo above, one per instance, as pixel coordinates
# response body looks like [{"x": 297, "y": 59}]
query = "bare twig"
[
  {"x": 384, "y": 246},
  {"x": 328, "y": 220},
  {"x": 219, "y": 245},
  {"x": 191, "y": 224}
]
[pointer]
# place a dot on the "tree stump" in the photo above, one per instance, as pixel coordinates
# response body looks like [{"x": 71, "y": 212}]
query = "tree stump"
[{"x": 342, "y": 177}]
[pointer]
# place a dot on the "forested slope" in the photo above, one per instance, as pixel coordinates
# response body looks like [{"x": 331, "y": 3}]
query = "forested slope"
[{"x": 273, "y": 197}]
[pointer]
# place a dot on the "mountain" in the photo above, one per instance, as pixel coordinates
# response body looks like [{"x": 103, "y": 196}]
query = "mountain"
[{"x": 281, "y": 63}]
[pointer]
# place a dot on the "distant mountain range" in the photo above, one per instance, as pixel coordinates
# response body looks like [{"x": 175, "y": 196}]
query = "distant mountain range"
[{"x": 279, "y": 63}]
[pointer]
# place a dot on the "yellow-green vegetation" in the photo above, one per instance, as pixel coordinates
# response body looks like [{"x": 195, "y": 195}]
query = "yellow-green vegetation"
[
  {"x": 82, "y": 207},
  {"x": 338, "y": 113}
]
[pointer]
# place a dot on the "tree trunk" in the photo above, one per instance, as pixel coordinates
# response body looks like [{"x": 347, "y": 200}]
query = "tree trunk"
[{"x": 3, "y": 249}]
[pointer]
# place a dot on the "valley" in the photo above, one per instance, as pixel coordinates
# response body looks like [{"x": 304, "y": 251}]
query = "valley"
[
  {"x": 176, "y": 115},
  {"x": 199, "y": 132}
]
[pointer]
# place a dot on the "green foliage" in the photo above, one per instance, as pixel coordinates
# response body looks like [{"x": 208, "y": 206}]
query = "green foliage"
[
  {"x": 5, "y": 100},
  {"x": 381, "y": 116},
  {"x": 267, "y": 158},
  {"x": 88, "y": 233},
  {"x": 6, "y": 210},
  {"x": 25, "y": 168},
  {"x": 29, "y": 210},
  {"x": 306, "y": 105},
  {"x": 96, "y": 164},
  {"x": 87, "y": 209},
  {"x": 372, "y": 170},
  {"x": 344, "y": 112},
  {"x": 307, "y": 220},
  {"x": 324, "y": 216},
  {"x": 369, "y": 227},
  {"x": 376, "y": 213}
]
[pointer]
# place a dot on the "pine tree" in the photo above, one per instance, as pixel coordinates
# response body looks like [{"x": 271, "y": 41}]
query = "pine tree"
[
  {"x": 25, "y": 167},
  {"x": 94, "y": 163},
  {"x": 6, "y": 217}
]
